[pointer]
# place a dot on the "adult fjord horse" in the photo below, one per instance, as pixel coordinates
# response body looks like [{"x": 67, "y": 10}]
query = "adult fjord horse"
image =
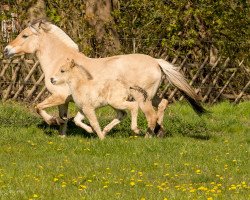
[{"x": 53, "y": 47}]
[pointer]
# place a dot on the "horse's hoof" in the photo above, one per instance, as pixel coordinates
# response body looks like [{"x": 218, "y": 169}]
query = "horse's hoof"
[
  {"x": 161, "y": 133},
  {"x": 56, "y": 121}
]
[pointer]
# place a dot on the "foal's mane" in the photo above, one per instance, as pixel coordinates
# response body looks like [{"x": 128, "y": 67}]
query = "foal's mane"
[
  {"x": 56, "y": 31},
  {"x": 85, "y": 71}
]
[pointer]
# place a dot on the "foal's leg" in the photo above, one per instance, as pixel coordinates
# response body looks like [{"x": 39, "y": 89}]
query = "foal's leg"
[
  {"x": 119, "y": 117},
  {"x": 53, "y": 100},
  {"x": 78, "y": 121},
  {"x": 90, "y": 114},
  {"x": 133, "y": 108}
]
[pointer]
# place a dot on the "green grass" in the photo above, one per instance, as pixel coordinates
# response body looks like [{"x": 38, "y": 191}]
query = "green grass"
[{"x": 206, "y": 158}]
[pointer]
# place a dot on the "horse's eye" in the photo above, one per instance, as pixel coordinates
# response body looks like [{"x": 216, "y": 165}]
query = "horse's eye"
[
  {"x": 62, "y": 71},
  {"x": 25, "y": 36}
]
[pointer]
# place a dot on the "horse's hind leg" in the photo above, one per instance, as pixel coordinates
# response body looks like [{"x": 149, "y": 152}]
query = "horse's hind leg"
[
  {"x": 151, "y": 116},
  {"x": 161, "y": 104},
  {"x": 120, "y": 115}
]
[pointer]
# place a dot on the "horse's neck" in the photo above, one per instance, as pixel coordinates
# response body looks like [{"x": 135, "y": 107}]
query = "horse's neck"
[{"x": 53, "y": 53}]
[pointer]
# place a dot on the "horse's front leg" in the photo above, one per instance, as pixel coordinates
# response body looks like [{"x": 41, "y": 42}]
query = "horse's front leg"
[
  {"x": 53, "y": 100},
  {"x": 63, "y": 114}
]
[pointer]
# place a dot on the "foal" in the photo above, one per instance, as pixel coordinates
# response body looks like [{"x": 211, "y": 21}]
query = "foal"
[{"x": 89, "y": 94}]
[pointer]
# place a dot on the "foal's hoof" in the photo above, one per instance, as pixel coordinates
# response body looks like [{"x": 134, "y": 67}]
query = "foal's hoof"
[{"x": 149, "y": 133}]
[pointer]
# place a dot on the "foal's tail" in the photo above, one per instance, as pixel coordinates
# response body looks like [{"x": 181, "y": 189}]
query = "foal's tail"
[{"x": 178, "y": 80}]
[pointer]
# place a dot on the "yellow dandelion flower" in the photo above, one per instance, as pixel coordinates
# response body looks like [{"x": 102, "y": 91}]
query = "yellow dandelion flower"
[
  {"x": 55, "y": 179},
  {"x": 82, "y": 187},
  {"x": 142, "y": 198},
  {"x": 140, "y": 173},
  {"x": 192, "y": 190},
  {"x": 35, "y": 195},
  {"x": 132, "y": 183},
  {"x": 202, "y": 188},
  {"x": 50, "y": 142},
  {"x": 198, "y": 171},
  {"x": 209, "y": 198},
  {"x": 105, "y": 186},
  {"x": 64, "y": 184}
]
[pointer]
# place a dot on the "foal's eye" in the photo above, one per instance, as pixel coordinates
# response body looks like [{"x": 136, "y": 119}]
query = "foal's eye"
[
  {"x": 62, "y": 71},
  {"x": 25, "y": 36}
]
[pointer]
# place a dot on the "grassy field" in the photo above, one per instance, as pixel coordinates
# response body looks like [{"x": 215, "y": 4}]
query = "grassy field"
[{"x": 205, "y": 158}]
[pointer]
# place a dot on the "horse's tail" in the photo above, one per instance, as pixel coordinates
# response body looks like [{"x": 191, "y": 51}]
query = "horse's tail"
[{"x": 178, "y": 80}]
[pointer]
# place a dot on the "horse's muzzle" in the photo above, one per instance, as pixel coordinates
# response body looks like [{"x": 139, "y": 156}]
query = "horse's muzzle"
[{"x": 7, "y": 53}]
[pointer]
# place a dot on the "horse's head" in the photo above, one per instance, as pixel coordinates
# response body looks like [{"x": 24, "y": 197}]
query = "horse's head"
[
  {"x": 63, "y": 74},
  {"x": 28, "y": 40}
]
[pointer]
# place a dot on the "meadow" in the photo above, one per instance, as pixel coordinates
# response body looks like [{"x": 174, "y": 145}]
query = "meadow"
[{"x": 201, "y": 158}]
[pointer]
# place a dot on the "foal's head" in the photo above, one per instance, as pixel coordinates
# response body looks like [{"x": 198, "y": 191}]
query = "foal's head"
[
  {"x": 68, "y": 71},
  {"x": 64, "y": 72}
]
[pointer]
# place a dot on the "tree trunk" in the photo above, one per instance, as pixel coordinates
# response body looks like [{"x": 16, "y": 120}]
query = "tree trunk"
[
  {"x": 32, "y": 10},
  {"x": 98, "y": 16}
]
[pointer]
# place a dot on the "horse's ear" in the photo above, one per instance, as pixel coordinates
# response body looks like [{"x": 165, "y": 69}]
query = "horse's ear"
[{"x": 43, "y": 24}]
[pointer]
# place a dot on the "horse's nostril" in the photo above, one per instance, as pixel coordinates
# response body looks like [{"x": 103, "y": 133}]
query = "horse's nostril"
[
  {"x": 52, "y": 80},
  {"x": 5, "y": 51}
]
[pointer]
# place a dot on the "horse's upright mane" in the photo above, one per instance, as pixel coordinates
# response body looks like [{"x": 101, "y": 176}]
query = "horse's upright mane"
[
  {"x": 63, "y": 37},
  {"x": 51, "y": 28}
]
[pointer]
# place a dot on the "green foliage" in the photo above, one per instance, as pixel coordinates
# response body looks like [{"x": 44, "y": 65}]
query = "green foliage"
[
  {"x": 186, "y": 25},
  {"x": 179, "y": 26}
]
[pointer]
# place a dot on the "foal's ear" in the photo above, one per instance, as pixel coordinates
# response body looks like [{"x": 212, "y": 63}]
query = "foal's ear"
[{"x": 72, "y": 63}]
